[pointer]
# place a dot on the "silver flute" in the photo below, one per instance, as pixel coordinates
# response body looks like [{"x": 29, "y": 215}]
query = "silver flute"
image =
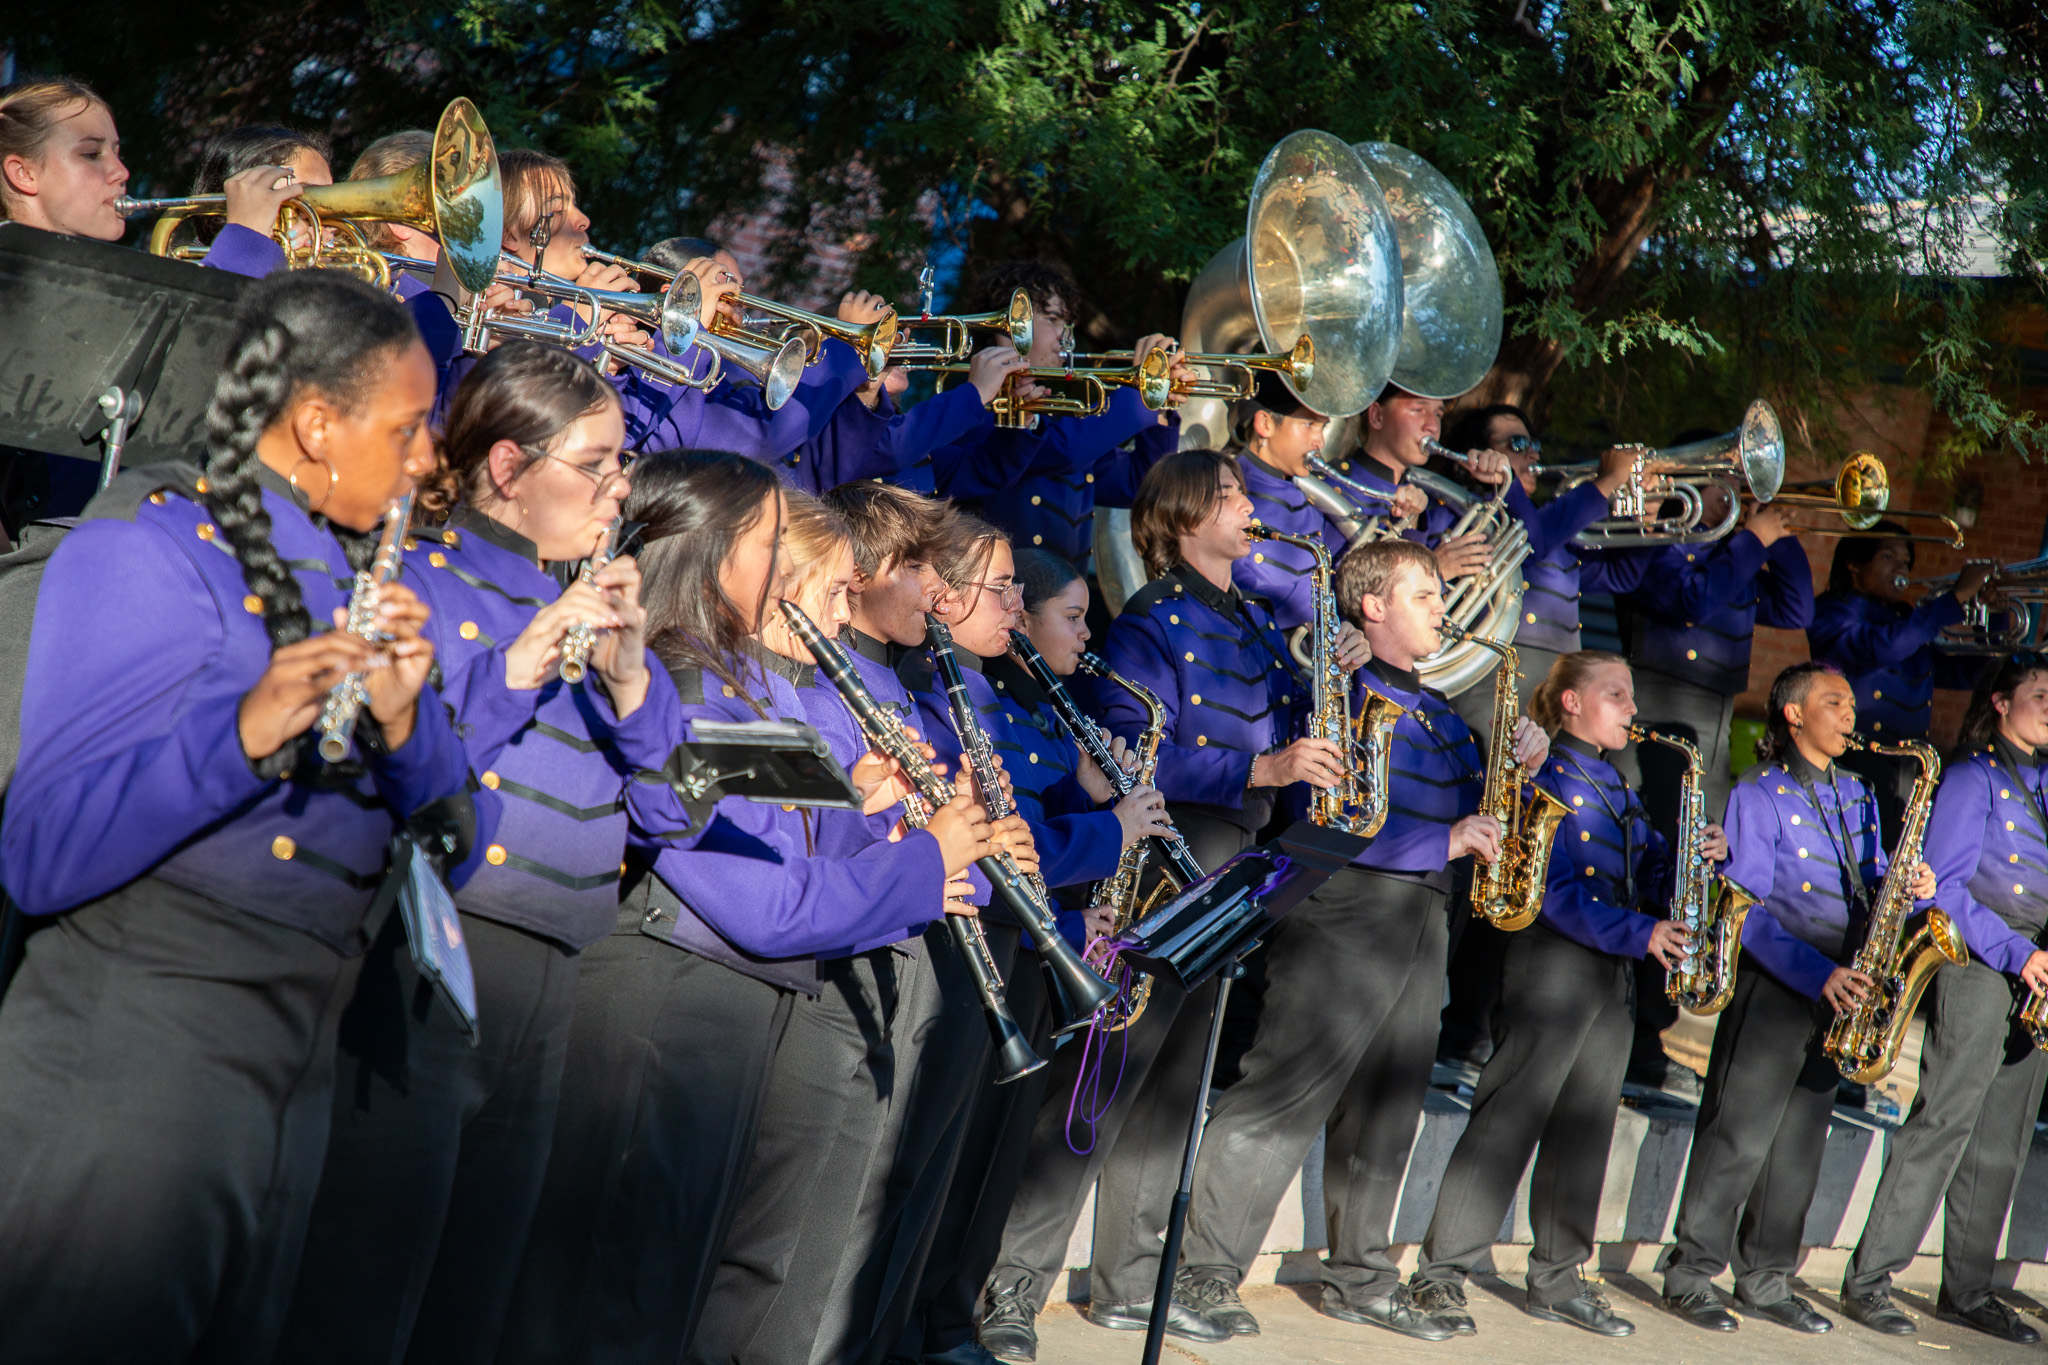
[{"x": 346, "y": 699}]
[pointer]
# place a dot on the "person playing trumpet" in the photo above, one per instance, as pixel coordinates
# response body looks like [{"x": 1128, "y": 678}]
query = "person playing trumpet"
[
  {"x": 1804, "y": 840},
  {"x": 1562, "y": 1025},
  {"x": 1981, "y": 1076}
]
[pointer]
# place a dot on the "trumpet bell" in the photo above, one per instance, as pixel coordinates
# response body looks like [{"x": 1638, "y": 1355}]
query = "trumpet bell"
[
  {"x": 777, "y": 365},
  {"x": 1760, "y": 446},
  {"x": 1864, "y": 490},
  {"x": 1450, "y": 286}
]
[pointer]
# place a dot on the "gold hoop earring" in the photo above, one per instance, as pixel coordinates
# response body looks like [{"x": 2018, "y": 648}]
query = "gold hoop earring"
[{"x": 333, "y": 478}]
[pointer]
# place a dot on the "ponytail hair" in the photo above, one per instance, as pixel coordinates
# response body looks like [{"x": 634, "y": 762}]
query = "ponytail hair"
[
  {"x": 296, "y": 332},
  {"x": 1788, "y": 689},
  {"x": 1980, "y": 721},
  {"x": 1568, "y": 674}
]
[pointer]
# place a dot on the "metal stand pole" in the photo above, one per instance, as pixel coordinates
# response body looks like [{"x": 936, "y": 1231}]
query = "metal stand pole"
[{"x": 1177, "y": 1220}]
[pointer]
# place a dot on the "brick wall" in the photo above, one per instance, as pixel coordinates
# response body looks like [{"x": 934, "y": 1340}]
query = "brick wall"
[{"x": 1898, "y": 426}]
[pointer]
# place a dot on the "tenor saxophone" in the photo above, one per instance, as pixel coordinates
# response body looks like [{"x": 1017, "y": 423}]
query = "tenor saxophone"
[
  {"x": 1508, "y": 892},
  {"x": 1903, "y": 950},
  {"x": 1710, "y": 909},
  {"x": 1358, "y": 803}
]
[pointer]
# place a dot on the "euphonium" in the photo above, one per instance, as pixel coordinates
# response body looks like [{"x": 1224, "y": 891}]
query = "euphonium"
[
  {"x": 1902, "y": 951},
  {"x": 1358, "y": 803},
  {"x": 346, "y": 699},
  {"x": 1710, "y": 914},
  {"x": 1508, "y": 891}
]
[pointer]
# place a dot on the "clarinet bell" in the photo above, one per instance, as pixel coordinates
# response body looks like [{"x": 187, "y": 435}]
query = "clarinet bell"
[
  {"x": 1077, "y": 992},
  {"x": 1014, "y": 1057}
]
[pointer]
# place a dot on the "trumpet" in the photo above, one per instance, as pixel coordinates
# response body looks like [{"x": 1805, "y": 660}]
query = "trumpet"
[
  {"x": 1070, "y": 393},
  {"x": 1860, "y": 495},
  {"x": 2021, "y": 589},
  {"x": 956, "y": 330},
  {"x": 871, "y": 341},
  {"x": 1297, "y": 364},
  {"x": 455, "y": 194}
]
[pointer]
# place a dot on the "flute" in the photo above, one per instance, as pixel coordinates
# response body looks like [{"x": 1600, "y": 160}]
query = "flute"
[
  {"x": 886, "y": 735},
  {"x": 346, "y": 699},
  {"x": 582, "y": 637}
]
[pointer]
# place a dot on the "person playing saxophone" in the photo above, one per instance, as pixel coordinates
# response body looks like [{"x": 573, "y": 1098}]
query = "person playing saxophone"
[
  {"x": 1561, "y": 1028},
  {"x": 1805, "y": 842},
  {"x": 1981, "y": 1076},
  {"x": 1354, "y": 980}
]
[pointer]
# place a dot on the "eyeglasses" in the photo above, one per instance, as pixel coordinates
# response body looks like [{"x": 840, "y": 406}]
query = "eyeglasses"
[
  {"x": 1524, "y": 445},
  {"x": 1008, "y": 595},
  {"x": 607, "y": 483}
]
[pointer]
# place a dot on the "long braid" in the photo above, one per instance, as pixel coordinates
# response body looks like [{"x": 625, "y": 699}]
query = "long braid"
[{"x": 248, "y": 397}]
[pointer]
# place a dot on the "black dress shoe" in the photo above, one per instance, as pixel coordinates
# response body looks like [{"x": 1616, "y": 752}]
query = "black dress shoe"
[
  {"x": 1702, "y": 1308},
  {"x": 1994, "y": 1317},
  {"x": 1790, "y": 1311},
  {"x": 1878, "y": 1313},
  {"x": 1008, "y": 1330},
  {"x": 1396, "y": 1312},
  {"x": 1588, "y": 1309},
  {"x": 1215, "y": 1298},
  {"x": 1181, "y": 1320},
  {"x": 966, "y": 1353},
  {"x": 1445, "y": 1302}
]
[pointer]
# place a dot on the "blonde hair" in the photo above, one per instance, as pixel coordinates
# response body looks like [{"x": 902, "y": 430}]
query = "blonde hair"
[
  {"x": 1568, "y": 674},
  {"x": 814, "y": 535},
  {"x": 388, "y": 155},
  {"x": 29, "y": 114},
  {"x": 529, "y": 178}
]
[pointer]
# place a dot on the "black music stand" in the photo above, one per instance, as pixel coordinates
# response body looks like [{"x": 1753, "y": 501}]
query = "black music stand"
[
  {"x": 1204, "y": 932},
  {"x": 106, "y": 353}
]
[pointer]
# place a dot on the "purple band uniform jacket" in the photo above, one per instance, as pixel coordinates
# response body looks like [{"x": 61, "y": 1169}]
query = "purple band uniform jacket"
[
  {"x": 1080, "y": 462},
  {"x": 1886, "y": 651},
  {"x": 1043, "y": 762},
  {"x": 132, "y": 762},
  {"x": 887, "y": 444},
  {"x": 1990, "y": 855},
  {"x": 1220, "y": 667},
  {"x": 1436, "y": 773},
  {"x": 1275, "y": 571},
  {"x": 1785, "y": 848},
  {"x": 755, "y": 896},
  {"x": 1595, "y": 862},
  {"x": 552, "y": 761},
  {"x": 1699, "y": 606}
]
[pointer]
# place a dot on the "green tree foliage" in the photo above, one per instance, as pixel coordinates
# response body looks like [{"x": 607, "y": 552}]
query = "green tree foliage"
[{"x": 1692, "y": 201}]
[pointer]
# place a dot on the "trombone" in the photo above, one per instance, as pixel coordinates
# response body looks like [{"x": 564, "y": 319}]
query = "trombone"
[
  {"x": 871, "y": 341},
  {"x": 454, "y": 194},
  {"x": 1860, "y": 494}
]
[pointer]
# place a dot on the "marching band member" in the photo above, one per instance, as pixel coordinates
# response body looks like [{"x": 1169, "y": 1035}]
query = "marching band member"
[
  {"x": 438, "y": 1146},
  {"x": 1553, "y": 1083},
  {"x": 828, "y": 1091},
  {"x": 258, "y": 169},
  {"x": 1073, "y": 463},
  {"x": 168, "y": 1046},
  {"x": 679, "y": 1011},
  {"x": 1065, "y": 796},
  {"x": 1219, "y": 667},
  {"x": 1866, "y": 625},
  {"x": 1693, "y": 618},
  {"x": 1980, "y": 1076},
  {"x": 1354, "y": 980},
  {"x": 60, "y": 171},
  {"x": 1804, "y": 840}
]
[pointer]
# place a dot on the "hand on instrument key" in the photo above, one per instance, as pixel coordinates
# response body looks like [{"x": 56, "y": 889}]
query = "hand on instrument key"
[
  {"x": 1352, "y": 650},
  {"x": 1845, "y": 989},
  {"x": 1667, "y": 943},
  {"x": 1311, "y": 760},
  {"x": 1457, "y": 556},
  {"x": 1478, "y": 835}
]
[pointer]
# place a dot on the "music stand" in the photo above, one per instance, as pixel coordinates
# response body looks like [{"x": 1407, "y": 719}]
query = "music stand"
[
  {"x": 1204, "y": 932},
  {"x": 106, "y": 353},
  {"x": 778, "y": 762}
]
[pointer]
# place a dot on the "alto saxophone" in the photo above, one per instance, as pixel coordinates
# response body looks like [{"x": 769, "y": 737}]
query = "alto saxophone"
[
  {"x": 2034, "y": 1014},
  {"x": 1358, "y": 803},
  {"x": 1711, "y": 914},
  {"x": 1903, "y": 950},
  {"x": 1120, "y": 890},
  {"x": 1508, "y": 891}
]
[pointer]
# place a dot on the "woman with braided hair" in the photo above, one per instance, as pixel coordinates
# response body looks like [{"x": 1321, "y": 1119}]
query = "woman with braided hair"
[{"x": 206, "y": 882}]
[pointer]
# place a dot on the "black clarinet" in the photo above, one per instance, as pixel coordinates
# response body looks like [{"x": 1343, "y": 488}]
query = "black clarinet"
[
  {"x": 1180, "y": 862},
  {"x": 885, "y": 733},
  {"x": 1077, "y": 992}
]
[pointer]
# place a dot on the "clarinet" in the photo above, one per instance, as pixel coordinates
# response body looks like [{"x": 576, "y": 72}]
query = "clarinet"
[
  {"x": 886, "y": 734},
  {"x": 345, "y": 701},
  {"x": 1077, "y": 992},
  {"x": 1180, "y": 862},
  {"x": 582, "y": 637}
]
